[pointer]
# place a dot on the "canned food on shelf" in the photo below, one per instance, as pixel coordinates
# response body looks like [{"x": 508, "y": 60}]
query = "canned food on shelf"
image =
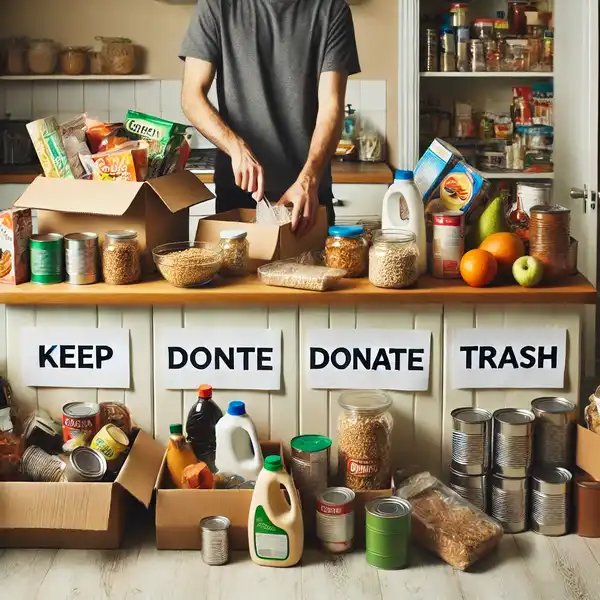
[
  {"x": 510, "y": 503},
  {"x": 473, "y": 488},
  {"x": 46, "y": 258},
  {"x": 81, "y": 258},
  {"x": 111, "y": 442},
  {"x": 448, "y": 244},
  {"x": 554, "y": 434},
  {"x": 550, "y": 501},
  {"x": 335, "y": 519}
]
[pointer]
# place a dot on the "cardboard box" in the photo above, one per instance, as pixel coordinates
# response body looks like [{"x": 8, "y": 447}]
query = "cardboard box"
[
  {"x": 78, "y": 515},
  {"x": 158, "y": 209},
  {"x": 437, "y": 161},
  {"x": 588, "y": 451},
  {"x": 267, "y": 242}
]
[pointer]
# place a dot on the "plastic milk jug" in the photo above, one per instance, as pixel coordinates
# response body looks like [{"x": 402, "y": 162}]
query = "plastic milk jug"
[
  {"x": 404, "y": 187},
  {"x": 275, "y": 528},
  {"x": 238, "y": 451}
]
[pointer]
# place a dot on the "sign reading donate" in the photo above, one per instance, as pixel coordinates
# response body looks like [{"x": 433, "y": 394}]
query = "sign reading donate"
[
  {"x": 231, "y": 359},
  {"x": 75, "y": 357},
  {"x": 368, "y": 359},
  {"x": 508, "y": 358}
]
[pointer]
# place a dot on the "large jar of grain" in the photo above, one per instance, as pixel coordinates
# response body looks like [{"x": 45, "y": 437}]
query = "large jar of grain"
[
  {"x": 346, "y": 248},
  {"x": 121, "y": 257},
  {"x": 394, "y": 259}
]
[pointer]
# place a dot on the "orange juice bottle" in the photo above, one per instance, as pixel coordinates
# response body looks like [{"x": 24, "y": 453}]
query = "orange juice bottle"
[{"x": 179, "y": 454}]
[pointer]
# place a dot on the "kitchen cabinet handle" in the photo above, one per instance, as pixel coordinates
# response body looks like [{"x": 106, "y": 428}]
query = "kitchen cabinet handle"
[{"x": 338, "y": 202}]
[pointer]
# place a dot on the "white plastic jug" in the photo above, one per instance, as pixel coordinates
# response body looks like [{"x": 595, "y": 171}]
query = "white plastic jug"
[
  {"x": 238, "y": 451},
  {"x": 275, "y": 528},
  {"x": 404, "y": 187}
]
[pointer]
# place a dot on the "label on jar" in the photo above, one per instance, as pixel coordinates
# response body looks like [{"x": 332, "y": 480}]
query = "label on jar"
[{"x": 360, "y": 467}]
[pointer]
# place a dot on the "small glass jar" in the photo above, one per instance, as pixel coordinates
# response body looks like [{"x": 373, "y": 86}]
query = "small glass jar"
[
  {"x": 548, "y": 51},
  {"x": 118, "y": 56},
  {"x": 492, "y": 55},
  {"x": 365, "y": 440},
  {"x": 73, "y": 60},
  {"x": 459, "y": 14},
  {"x": 346, "y": 248},
  {"x": 394, "y": 259},
  {"x": 121, "y": 257},
  {"x": 16, "y": 53},
  {"x": 484, "y": 29},
  {"x": 41, "y": 57},
  {"x": 517, "y": 55},
  {"x": 477, "y": 56},
  {"x": 96, "y": 66},
  {"x": 517, "y": 17},
  {"x": 235, "y": 247}
]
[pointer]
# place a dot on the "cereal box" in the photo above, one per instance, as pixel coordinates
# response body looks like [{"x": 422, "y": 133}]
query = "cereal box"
[{"x": 15, "y": 231}]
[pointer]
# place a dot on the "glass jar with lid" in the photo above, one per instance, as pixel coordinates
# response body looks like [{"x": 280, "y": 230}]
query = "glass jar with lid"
[
  {"x": 16, "y": 56},
  {"x": 517, "y": 17},
  {"x": 459, "y": 14},
  {"x": 365, "y": 445},
  {"x": 477, "y": 56},
  {"x": 42, "y": 56},
  {"x": 121, "y": 257},
  {"x": 347, "y": 248},
  {"x": 484, "y": 28},
  {"x": 118, "y": 56},
  {"x": 394, "y": 259},
  {"x": 73, "y": 60},
  {"x": 235, "y": 248}
]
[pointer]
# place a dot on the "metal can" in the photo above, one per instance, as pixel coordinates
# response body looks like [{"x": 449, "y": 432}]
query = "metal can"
[
  {"x": 471, "y": 434},
  {"x": 588, "y": 506},
  {"x": 448, "y": 244},
  {"x": 46, "y": 252},
  {"x": 310, "y": 462},
  {"x": 473, "y": 488},
  {"x": 38, "y": 465},
  {"x": 513, "y": 442},
  {"x": 81, "y": 258},
  {"x": 459, "y": 13},
  {"x": 80, "y": 419},
  {"x": 550, "y": 501},
  {"x": 85, "y": 464},
  {"x": 554, "y": 434},
  {"x": 530, "y": 194},
  {"x": 111, "y": 442},
  {"x": 215, "y": 540},
  {"x": 431, "y": 50},
  {"x": 447, "y": 50},
  {"x": 388, "y": 530},
  {"x": 335, "y": 519},
  {"x": 510, "y": 503}
]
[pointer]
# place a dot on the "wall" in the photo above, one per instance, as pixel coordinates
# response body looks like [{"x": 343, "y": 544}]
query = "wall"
[{"x": 159, "y": 27}]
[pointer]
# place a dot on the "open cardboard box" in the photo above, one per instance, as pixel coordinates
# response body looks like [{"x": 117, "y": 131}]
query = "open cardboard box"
[
  {"x": 158, "y": 209},
  {"x": 267, "y": 242},
  {"x": 588, "y": 451},
  {"x": 78, "y": 515}
]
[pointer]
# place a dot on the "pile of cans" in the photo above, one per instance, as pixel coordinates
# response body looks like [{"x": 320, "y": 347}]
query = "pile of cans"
[{"x": 516, "y": 464}]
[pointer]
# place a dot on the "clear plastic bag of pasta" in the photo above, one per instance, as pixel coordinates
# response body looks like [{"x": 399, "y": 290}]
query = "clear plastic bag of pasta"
[{"x": 292, "y": 274}]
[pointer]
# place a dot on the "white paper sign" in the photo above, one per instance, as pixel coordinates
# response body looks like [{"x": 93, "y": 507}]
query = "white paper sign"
[
  {"x": 362, "y": 359},
  {"x": 230, "y": 359},
  {"x": 508, "y": 358},
  {"x": 75, "y": 357}
]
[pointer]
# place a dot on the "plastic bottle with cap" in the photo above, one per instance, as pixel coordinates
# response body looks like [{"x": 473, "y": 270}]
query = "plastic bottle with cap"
[
  {"x": 275, "y": 528},
  {"x": 238, "y": 449},
  {"x": 404, "y": 188},
  {"x": 179, "y": 454},
  {"x": 200, "y": 425}
]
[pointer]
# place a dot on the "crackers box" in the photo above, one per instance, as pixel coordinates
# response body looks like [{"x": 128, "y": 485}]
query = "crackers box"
[{"x": 15, "y": 231}]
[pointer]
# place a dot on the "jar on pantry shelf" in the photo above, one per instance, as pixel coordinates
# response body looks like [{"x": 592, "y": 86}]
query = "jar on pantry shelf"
[
  {"x": 459, "y": 13},
  {"x": 41, "y": 56},
  {"x": 73, "y": 60},
  {"x": 364, "y": 428},
  {"x": 394, "y": 259},
  {"x": 484, "y": 28},
  {"x": 517, "y": 55},
  {"x": 517, "y": 17},
  {"x": 477, "y": 56},
  {"x": 121, "y": 257},
  {"x": 346, "y": 248},
  {"x": 235, "y": 248},
  {"x": 16, "y": 53},
  {"x": 548, "y": 51},
  {"x": 118, "y": 55},
  {"x": 96, "y": 67}
]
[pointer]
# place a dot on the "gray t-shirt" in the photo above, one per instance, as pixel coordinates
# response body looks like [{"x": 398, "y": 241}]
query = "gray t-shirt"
[{"x": 269, "y": 55}]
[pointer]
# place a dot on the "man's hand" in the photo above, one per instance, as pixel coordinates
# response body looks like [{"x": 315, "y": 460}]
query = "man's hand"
[
  {"x": 247, "y": 170},
  {"x": 303, "y": 196}
]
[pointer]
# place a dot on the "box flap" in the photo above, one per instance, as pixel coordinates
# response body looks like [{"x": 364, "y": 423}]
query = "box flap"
[
  {"x": 180, "y": 190},
  {"x": 139, "y": 472},
  {"x": 588, "y": 451},
  {"x": 80, "y": 196}
]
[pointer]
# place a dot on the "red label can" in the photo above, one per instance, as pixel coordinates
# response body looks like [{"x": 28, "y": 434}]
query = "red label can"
[
  {"x": 335, "y": 519},
  {"x": 80, "y": 418},
  {"x": 448, "y": 244}
]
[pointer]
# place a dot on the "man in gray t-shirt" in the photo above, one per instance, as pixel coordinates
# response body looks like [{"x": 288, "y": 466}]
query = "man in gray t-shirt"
[{"x": 282, "y": 68}]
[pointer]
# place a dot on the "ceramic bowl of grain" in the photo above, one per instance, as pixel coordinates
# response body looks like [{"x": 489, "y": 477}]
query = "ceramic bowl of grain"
[{"x": 188, "y": 264}]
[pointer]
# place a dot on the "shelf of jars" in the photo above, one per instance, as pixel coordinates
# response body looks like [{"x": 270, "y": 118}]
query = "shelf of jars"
[
  {"x": 74, "y": 77},
  {"x": 490, "y": 74}
]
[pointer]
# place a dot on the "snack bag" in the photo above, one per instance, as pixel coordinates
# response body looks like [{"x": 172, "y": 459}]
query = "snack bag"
[
  {"x": 97, "y": 134},
  {"x": 48, "y": 144},
  {"x": 73, "y": 134},
  {"x": 15, "y": 230},
  {"x": 127, "y": 162}
]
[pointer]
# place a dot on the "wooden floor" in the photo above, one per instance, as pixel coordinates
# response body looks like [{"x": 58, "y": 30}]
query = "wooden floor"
[{"x": 526, "y": 566}]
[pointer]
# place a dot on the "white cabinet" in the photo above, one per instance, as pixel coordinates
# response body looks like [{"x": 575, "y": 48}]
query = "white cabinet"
[{"x": 358, "y": 202}]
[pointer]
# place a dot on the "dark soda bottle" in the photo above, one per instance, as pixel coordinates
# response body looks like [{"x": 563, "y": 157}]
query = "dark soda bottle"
[{"x": 200, "y": 425}]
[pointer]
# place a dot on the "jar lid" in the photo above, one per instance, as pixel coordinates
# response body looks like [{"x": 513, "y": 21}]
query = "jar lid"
[
  {"x": 310, "y": 443},
  {"x": 233, "y": 234},
  {"x": 121, "y": 234},
  {"x": 459, "y": 6},
  {"x": 371, "y": 402},
  {"x": 501, "y": 24},
  {"x": 347, "y": 231},
  {"x": 394, "y": 236},
  {"x": 403, "y": 175},
  {"x": 76, "y": 49},
  {"x": 484, "y": 21}
]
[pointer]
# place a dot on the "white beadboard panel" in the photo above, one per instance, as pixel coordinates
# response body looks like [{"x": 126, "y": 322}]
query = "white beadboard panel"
[
  {"x": 170, "y": 95},
  {"x": 98, "y": 115},
  {"x": 18, "y": 100},
  {"x": 117, "y": 115},
  {"x": 96, "y": 96},
  {"x": 373, "y": 95},
  {"x": 16, "y": 318},
  {"x": 45, "y": 99},
  {"x": 70, "y": 97},
  {"x": 121, "y": 95},
  {"x": 175, "y": 115},
  {"x": 147, "y": 97},
  {"x": 111, "y": 316}
]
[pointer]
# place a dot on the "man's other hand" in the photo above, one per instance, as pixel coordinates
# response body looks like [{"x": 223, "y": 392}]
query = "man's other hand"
[
  {"x": 247, "y": 170},
  {"x": 303, "y": 197}
]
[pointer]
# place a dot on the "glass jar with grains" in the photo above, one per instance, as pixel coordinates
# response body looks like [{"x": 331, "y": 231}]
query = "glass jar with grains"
[
  {"x": 365, "y": 429},
  {"x": 346, "y": 248},
  {"x": 41, "y": 56},
  {"x": 394, "y": 259},
  {"x": 73, "y": 60},
  {"x": 235, "y": 247},
  {"x": 121, "y": 257},
  {"x": 118, "y": 56}
]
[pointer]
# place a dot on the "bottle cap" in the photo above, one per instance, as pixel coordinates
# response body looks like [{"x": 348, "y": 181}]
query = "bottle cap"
[
  {"x": 346, "y": 231},
  {"x": 236, "y": 408},
  {"x": 403, "y": 176},
  {"x": 273, "y": 463},
  {"x": 176, "y": 429},
  {"x": 205, "y": 391}
]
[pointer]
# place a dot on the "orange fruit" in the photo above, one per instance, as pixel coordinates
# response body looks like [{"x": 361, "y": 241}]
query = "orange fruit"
[
  {"x": 478, "y": 268},
  {"x": 506, "y": 249}
]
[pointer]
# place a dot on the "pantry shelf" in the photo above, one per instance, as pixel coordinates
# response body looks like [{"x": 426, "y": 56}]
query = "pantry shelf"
[
  {"x": 518, "y": 176},
  {"x": 74, "y": 77},
  {"x": 490, "y": 74}
]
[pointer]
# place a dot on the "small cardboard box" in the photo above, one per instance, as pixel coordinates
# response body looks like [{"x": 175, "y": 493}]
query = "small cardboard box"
[
  {"x": 434, "y": 165},
  {"x": 158, "y": 209},
  {"x": 78, "y": 515},
  {"x": 267, "y": 242},
  {"x": 588, "y": 451}
]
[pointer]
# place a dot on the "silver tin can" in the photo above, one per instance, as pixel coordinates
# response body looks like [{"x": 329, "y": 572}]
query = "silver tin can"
[
  {"x": 513, "y": 442},
  {"x": 85, "y": 465},
  {"x": 550, "y": 501},
  {"x": 473, "y": 488},
  {"x": 555, "y": 429},
  {"x": 38, "y": 465},
  {"x": 81, "y": 258},
  {"x": 215, "y": 540},
  {"x": 335, "y": 519},
  {"x": 310, "y": 462},
  {"x": 510, "y": 503},
  {"x": 471, "y": 434}
]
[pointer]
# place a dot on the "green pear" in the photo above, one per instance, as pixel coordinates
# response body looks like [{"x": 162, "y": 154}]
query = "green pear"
[{"x": 492, "y": 220}]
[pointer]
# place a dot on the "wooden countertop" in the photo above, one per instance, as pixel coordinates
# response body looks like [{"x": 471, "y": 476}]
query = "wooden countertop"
[
  {"x": 574, "y": 290},
  {"x": 342, "y": 172}
]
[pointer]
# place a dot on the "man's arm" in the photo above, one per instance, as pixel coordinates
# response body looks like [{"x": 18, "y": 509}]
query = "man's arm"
[
  {"x": 303, "y": 194},
  {"x": 197, "y": 79}
]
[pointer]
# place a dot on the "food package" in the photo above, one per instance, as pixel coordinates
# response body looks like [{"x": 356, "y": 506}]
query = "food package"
[
  {"x": 446, "y": 524},
  {"x": 116, "y": 414},
  {"x": 73, "y": 134},
  {"x": 197, "y": 477},
  {"x": 284, "y": 273},
  {"x": 522, "y": 105},
  {"x": 48, "y": 144},
  {"x": 15, "y": 231},
  {"x": 128, "y": 162},
  {"x": 102, "y": 137},
  {"x": 592, "y": 414}
]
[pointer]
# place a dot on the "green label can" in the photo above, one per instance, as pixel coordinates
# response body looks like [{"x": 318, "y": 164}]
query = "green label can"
[
  {"x": 46, "y": 258},
  {"x": 388, "y": 528}
]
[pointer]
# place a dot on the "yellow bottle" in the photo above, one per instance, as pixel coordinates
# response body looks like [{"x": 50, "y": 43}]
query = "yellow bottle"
[
  {"x": 275, "y": 528},
  {"x": 179, "y": 454}
]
